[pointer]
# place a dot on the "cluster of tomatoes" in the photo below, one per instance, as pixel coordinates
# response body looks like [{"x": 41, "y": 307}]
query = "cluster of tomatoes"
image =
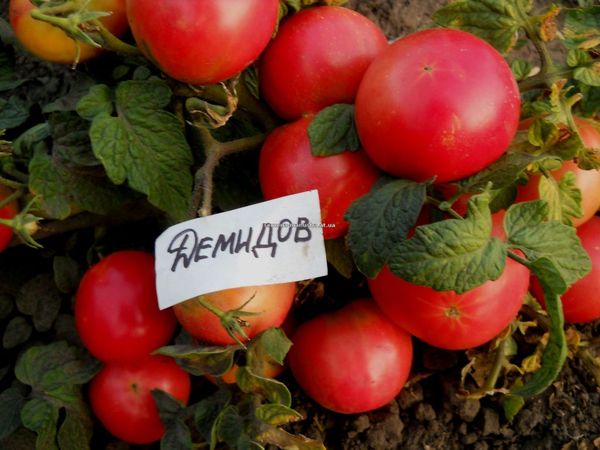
[{"x": 435, "y": 105}]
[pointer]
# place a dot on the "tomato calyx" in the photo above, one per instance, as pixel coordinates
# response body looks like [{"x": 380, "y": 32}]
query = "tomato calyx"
[{"x": 24, "y": 224}]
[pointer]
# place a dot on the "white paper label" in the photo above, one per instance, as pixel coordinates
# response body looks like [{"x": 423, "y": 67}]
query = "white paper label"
[{"x": 277, "y": 241}]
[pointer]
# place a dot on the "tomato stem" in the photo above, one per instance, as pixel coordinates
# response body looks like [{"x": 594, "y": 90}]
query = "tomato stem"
[
  {"x": 12, "y": 197},
  {"x": 114, "y": 43},
  {"x": 499, "y": 362},
  {"x": 545, "y": 79},
  {"x": 445, "y": 206},
  {"x": 215, "y": 151},
  {"x": 11, "y": 184}
]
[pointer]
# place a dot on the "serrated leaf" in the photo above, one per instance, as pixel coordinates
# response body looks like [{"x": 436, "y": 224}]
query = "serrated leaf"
[
  {"x": 172, "y": 414},
  {"x": 380, "y": 220},
  {"x": 144, "y": 145},
  {"x": 332, "y": 131},
  {"x": 230, "y": 428},
  {"x": 543, "y": 134},
  {"x": 454, "y": 254},
  {"x": 502, "y": 173},
  {"x": 208, "y": 411},
  {"x": 62, "y": 190},
  {"x": 41, "y": 416},
  {"x": 201, "y": 360},
  {"x": 69, "y": 101},
  {"x": 55, "y": 365},
  {"x": 275, "y": 414},
  {"x": 555, "y": 353},
  {"x": 581, "y": 25},
  {"x": 99, "y": 100},
  {"x": 521, "y": 68},
  {"x": 25, "y": 144},
  {"x": 496, "y": 21},
  {"x": 67, "y": 273},
  {"x": 272, "y": 343},
  {"x": 563, "y": 198},
  {"x": 17, "y": 332},
  {"x": 70, "y": 139},
  {"x": 272, "y": 390},
  {"x": 177, "y": 436},
  {"x": 528, "y": 231},
  {"x": 589, "y": 75},
  {"x": 577, "y": 57},
  {"x": 339, "y": 256},
  {"x": 40, "y": 299},
  {"x": 11, "y": 402},
  {"x": 590, "y": 103},
  {"x": 76, "y": 431},
  {"x": 13, "y": 112}
]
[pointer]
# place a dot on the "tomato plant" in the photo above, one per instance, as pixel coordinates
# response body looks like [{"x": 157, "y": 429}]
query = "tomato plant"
[
  {"x": 437, "y": 103},
  {"x": 116, "y": 308},
  {"x": 580, "y": 303},
  {"x": 258, "y": 307},
  {"x": 352, "y": 360},
  {"x": 53, "y": 44},
  {"x": 200, "y": 42},
  {"x": 287, "y": 166},
  {"x": 587, "y": 181},
  {"x": 337, "y": 45},
  {"x": 121, "y": 396},
  {"x": 7, "y": 212}
]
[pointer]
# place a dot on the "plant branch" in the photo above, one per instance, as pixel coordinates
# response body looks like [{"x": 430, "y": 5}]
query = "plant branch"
[
  {"x": 114, "y": 43},
  {"x": 499, "y": 363}
]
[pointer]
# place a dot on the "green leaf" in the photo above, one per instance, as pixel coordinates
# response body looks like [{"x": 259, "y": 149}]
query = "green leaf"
[
  {"x": 40, "y": 299},
  {"x": 512, "y": 404},
  {"x": 272, "y": 343},
  {"x": 275, "y": 414},
  {"x": 380, "y": 220},
  {"x": 590, "y": 103},
  {"x": 528, "y": 231},
  {"x": 41, "y": 416},
  {"x": 272, "y": 390},
  {"x": 7, "y": 72},
  {"x": 26, "y": 142},
  {"x": 577, "y": 57},
  {"x": 69, "y": 101},
  {"x": 67, "y": 273},
  {"x": 332, "y": 131},
  {"x": 496, "y": 21},
  {"x": 555, "y": 353},
  {"x": 339, "y": 256},
  {"x": 521, "y": 68},
  {"x": 230, "y": 428},
  {"x": 563, "y": 198},
  {"x": 208, "y": 411},
  {"x": 98, "y": 101},
  {"x": 454, "y": 254},
  {"x": 172, "y": 415},
  {"x": 17, "y": 332},
  {"x": 7, "y": 305},
  {"x": 502, "y": 173},
  {"x": 70, "y": 139},
  {"x": 76, "y": 431},
  {"x": 13, "y": 112},
  {"x": 582, "y": 27},
  {"x": 144, "y": 144},
  {"x": 589, "y": 75},
  {"x": 61, "y": 189},
  {"x": 201, "y": 360},
  {"x": 55, "y": 365},
  {"x": 11, "y": 402}
]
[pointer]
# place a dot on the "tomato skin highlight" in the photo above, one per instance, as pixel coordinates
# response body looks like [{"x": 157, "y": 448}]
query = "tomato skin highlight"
[
  {"x": 53, "y": 44},
  {"x": 352, "y": 360},
  {"x": 7, "y": 212},
  {"x": 202, "y": 42},
  {"x": 437, "y": 103},
  {"x": 588, "y": 181},
  {"x": 317, "y": 59},
  {"x": 116, "y": 308},
  {"x": 121, "y": 398},
  {"x": 581, "y": 303},
  {"x": 287, "y": 166},
  {"x": 272, "y": 302}
]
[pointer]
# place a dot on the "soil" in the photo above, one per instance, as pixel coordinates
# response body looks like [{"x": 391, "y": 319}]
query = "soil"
[{"x": 429, "y": 414}]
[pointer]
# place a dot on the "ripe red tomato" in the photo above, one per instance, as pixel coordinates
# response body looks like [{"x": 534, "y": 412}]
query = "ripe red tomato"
[
  {"x": 116, "y": 308},
  {"x": 353, "y": 360},
  {"x": 7, "y": 212},
  {"x": 121, "y": 397},
  {"x": 200, "y": 42},
  {"x": 438, "y": 103},
  {"x": 581, "y": 303},
  {"x": 287, "y": 167},
  {"x": 317, "y": 59},
  {"x": 588, "y": 181},
  {"x": 449, "y": 320},
  {"x": 53, "y": 44},
  {"x": 272, "y": 303}
]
